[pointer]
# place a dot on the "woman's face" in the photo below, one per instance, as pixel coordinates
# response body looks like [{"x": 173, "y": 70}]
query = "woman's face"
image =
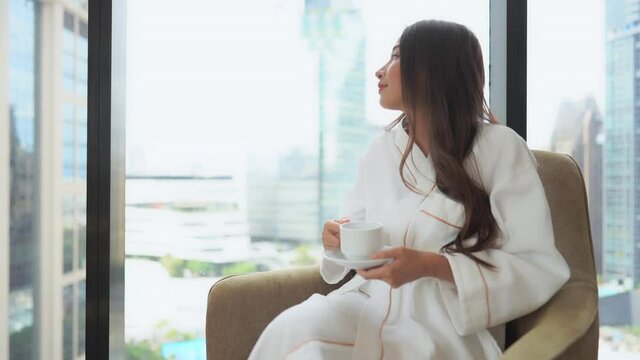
[{"x": 390, "y": 87}]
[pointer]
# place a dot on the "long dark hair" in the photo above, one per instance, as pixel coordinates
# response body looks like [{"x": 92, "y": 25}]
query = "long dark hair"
[{"x": 442, "y": 75}]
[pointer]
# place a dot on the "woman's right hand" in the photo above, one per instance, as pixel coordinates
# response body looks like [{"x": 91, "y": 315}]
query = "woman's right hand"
[{"x": 331, "y": 233}]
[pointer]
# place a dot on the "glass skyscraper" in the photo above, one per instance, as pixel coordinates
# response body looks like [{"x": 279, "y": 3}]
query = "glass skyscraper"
[
  {"x": 308, "y": 188},
  {"x": 23, "y": 247},
  {"x": 621, "y": 258},
  {"x": 578, "y": 132},
  {"x": 43, "y": 102},
  {"x": 335, "y": 30}
]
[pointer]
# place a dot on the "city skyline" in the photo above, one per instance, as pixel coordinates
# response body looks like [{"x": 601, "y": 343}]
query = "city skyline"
[
  {"x": 272, "y": 118},
  {"x": 158, "y": 112}
]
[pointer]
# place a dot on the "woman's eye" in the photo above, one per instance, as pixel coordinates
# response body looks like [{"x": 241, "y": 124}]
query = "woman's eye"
[{"x": 395, "y": 56}]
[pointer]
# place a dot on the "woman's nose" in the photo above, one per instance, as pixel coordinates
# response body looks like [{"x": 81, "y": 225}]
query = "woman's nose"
[{"x": 379, "y": 74}]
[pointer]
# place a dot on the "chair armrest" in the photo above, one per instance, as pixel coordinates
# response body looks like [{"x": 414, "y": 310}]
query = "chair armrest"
[
  {"x": 240, "y": 307},
  {"x": 566, "y": 329}
]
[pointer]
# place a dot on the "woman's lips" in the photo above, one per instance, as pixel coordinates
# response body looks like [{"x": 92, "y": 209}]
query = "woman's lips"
[{"x": 381, "y": 87}]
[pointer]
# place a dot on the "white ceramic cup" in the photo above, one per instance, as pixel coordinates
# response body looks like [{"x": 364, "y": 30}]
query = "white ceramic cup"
[{"x": 360, "y": 239}]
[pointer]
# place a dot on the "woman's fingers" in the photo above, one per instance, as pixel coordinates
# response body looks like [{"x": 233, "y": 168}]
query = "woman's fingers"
[
  {"x": 330, "y": 237},
  {"x": 331, "y": 233},
  {"x": 389, "y": 253},
  {"x": 333, "y": 242},
  {"x": 380, "y": 272},
  {"x": 332, "y": 226}
]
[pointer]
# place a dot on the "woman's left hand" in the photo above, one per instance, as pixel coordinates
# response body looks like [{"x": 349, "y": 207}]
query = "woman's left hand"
[{"x": 407, "y": 265}]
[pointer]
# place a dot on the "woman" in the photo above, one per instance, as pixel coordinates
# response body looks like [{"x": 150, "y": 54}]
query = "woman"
[{"x": 463, "y": 208}]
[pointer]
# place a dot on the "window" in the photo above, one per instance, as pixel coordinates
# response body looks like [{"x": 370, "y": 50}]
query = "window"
[
  {"x": 67, "y": 327},
  {"x": 582, "y": 100},
  {"x": 213, "y": 186},
  {"x": 22, "y": 172},
  {"x": 42, "y": 77},
  {"x": 68, "y": 161},
  {"x": 75, "y": 54},
  {"x": 68, "y": 52},
  {"x": 82, "y": 58},
  {"x": 69, "y": 233}
]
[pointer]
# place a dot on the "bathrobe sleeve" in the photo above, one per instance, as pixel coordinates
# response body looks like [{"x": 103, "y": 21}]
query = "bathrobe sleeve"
[
  {"x": 353, "y": 207},
  {"x": 529, "y": 268}
]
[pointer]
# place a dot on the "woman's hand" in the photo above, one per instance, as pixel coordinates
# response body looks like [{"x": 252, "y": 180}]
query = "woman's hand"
[
  {"x": 408, "y": 265},
  {"x": 331, "y": 233}
]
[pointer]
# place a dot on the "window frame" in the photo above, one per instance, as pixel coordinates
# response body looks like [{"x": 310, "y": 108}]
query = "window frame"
[
  {"x": 105, "y": 180},
  {"x": 106, "y": 150}
]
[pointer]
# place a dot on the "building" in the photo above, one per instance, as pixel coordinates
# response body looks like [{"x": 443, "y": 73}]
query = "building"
[
  {"x": 291, "y": 203},
  {"x": 621, "y": 255},
  {"x": 335, "y": 31},
  {"x": 186, "y": 217},
  {"x": 621, "y": 309},
  {"x": 283, "y": 204},
  {"x": 578, "y": 132},
  {"x": 43, "y": 99}
]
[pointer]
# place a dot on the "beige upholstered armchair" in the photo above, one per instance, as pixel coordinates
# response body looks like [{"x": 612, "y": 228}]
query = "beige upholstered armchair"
[{"x": 566, "y": 327}]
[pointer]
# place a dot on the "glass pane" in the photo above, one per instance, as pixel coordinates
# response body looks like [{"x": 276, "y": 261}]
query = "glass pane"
[
  {"x": 583, "y": 99},
  {"x": 68, "y": 160},
  {"x": 82, "y": 46},
  {"x": 69, "y": 22},
  {"x": 81, "y": 140},
  {"x": 81, "y": 221},
  {"x": 23, "y": 245},
  {"x": 214, "y": 184},
  {"x": 47, "y": 173},
  {"x": 67, "y": 321},
  {"x": 68, "y": 57},
  {"x": 82, "y": 301},
  {"x": 69, "y": 232}
]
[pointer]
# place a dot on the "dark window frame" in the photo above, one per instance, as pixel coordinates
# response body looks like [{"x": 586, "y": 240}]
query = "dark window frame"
[
  {"x": 105, "y": 180},
  {"x": 517, "y": 66}
]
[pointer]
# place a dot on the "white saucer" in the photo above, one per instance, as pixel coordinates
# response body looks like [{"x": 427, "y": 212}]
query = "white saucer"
[{"x": 338, "y": 257}]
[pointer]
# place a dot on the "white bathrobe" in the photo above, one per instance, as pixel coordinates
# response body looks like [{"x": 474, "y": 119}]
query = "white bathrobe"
[{"x": 431, "y": 318}]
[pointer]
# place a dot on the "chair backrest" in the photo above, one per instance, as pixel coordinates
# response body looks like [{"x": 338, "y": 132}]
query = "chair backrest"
[{"x": 565, "y": 190}]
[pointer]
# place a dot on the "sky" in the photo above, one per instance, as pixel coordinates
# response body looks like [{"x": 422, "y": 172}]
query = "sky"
[
  {"x": 209, "y": 83},
  {"x": 566, "y": 60}
]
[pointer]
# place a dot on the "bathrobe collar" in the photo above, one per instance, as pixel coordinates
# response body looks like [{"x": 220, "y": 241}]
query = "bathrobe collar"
[{"x": 419, "y": 170}]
